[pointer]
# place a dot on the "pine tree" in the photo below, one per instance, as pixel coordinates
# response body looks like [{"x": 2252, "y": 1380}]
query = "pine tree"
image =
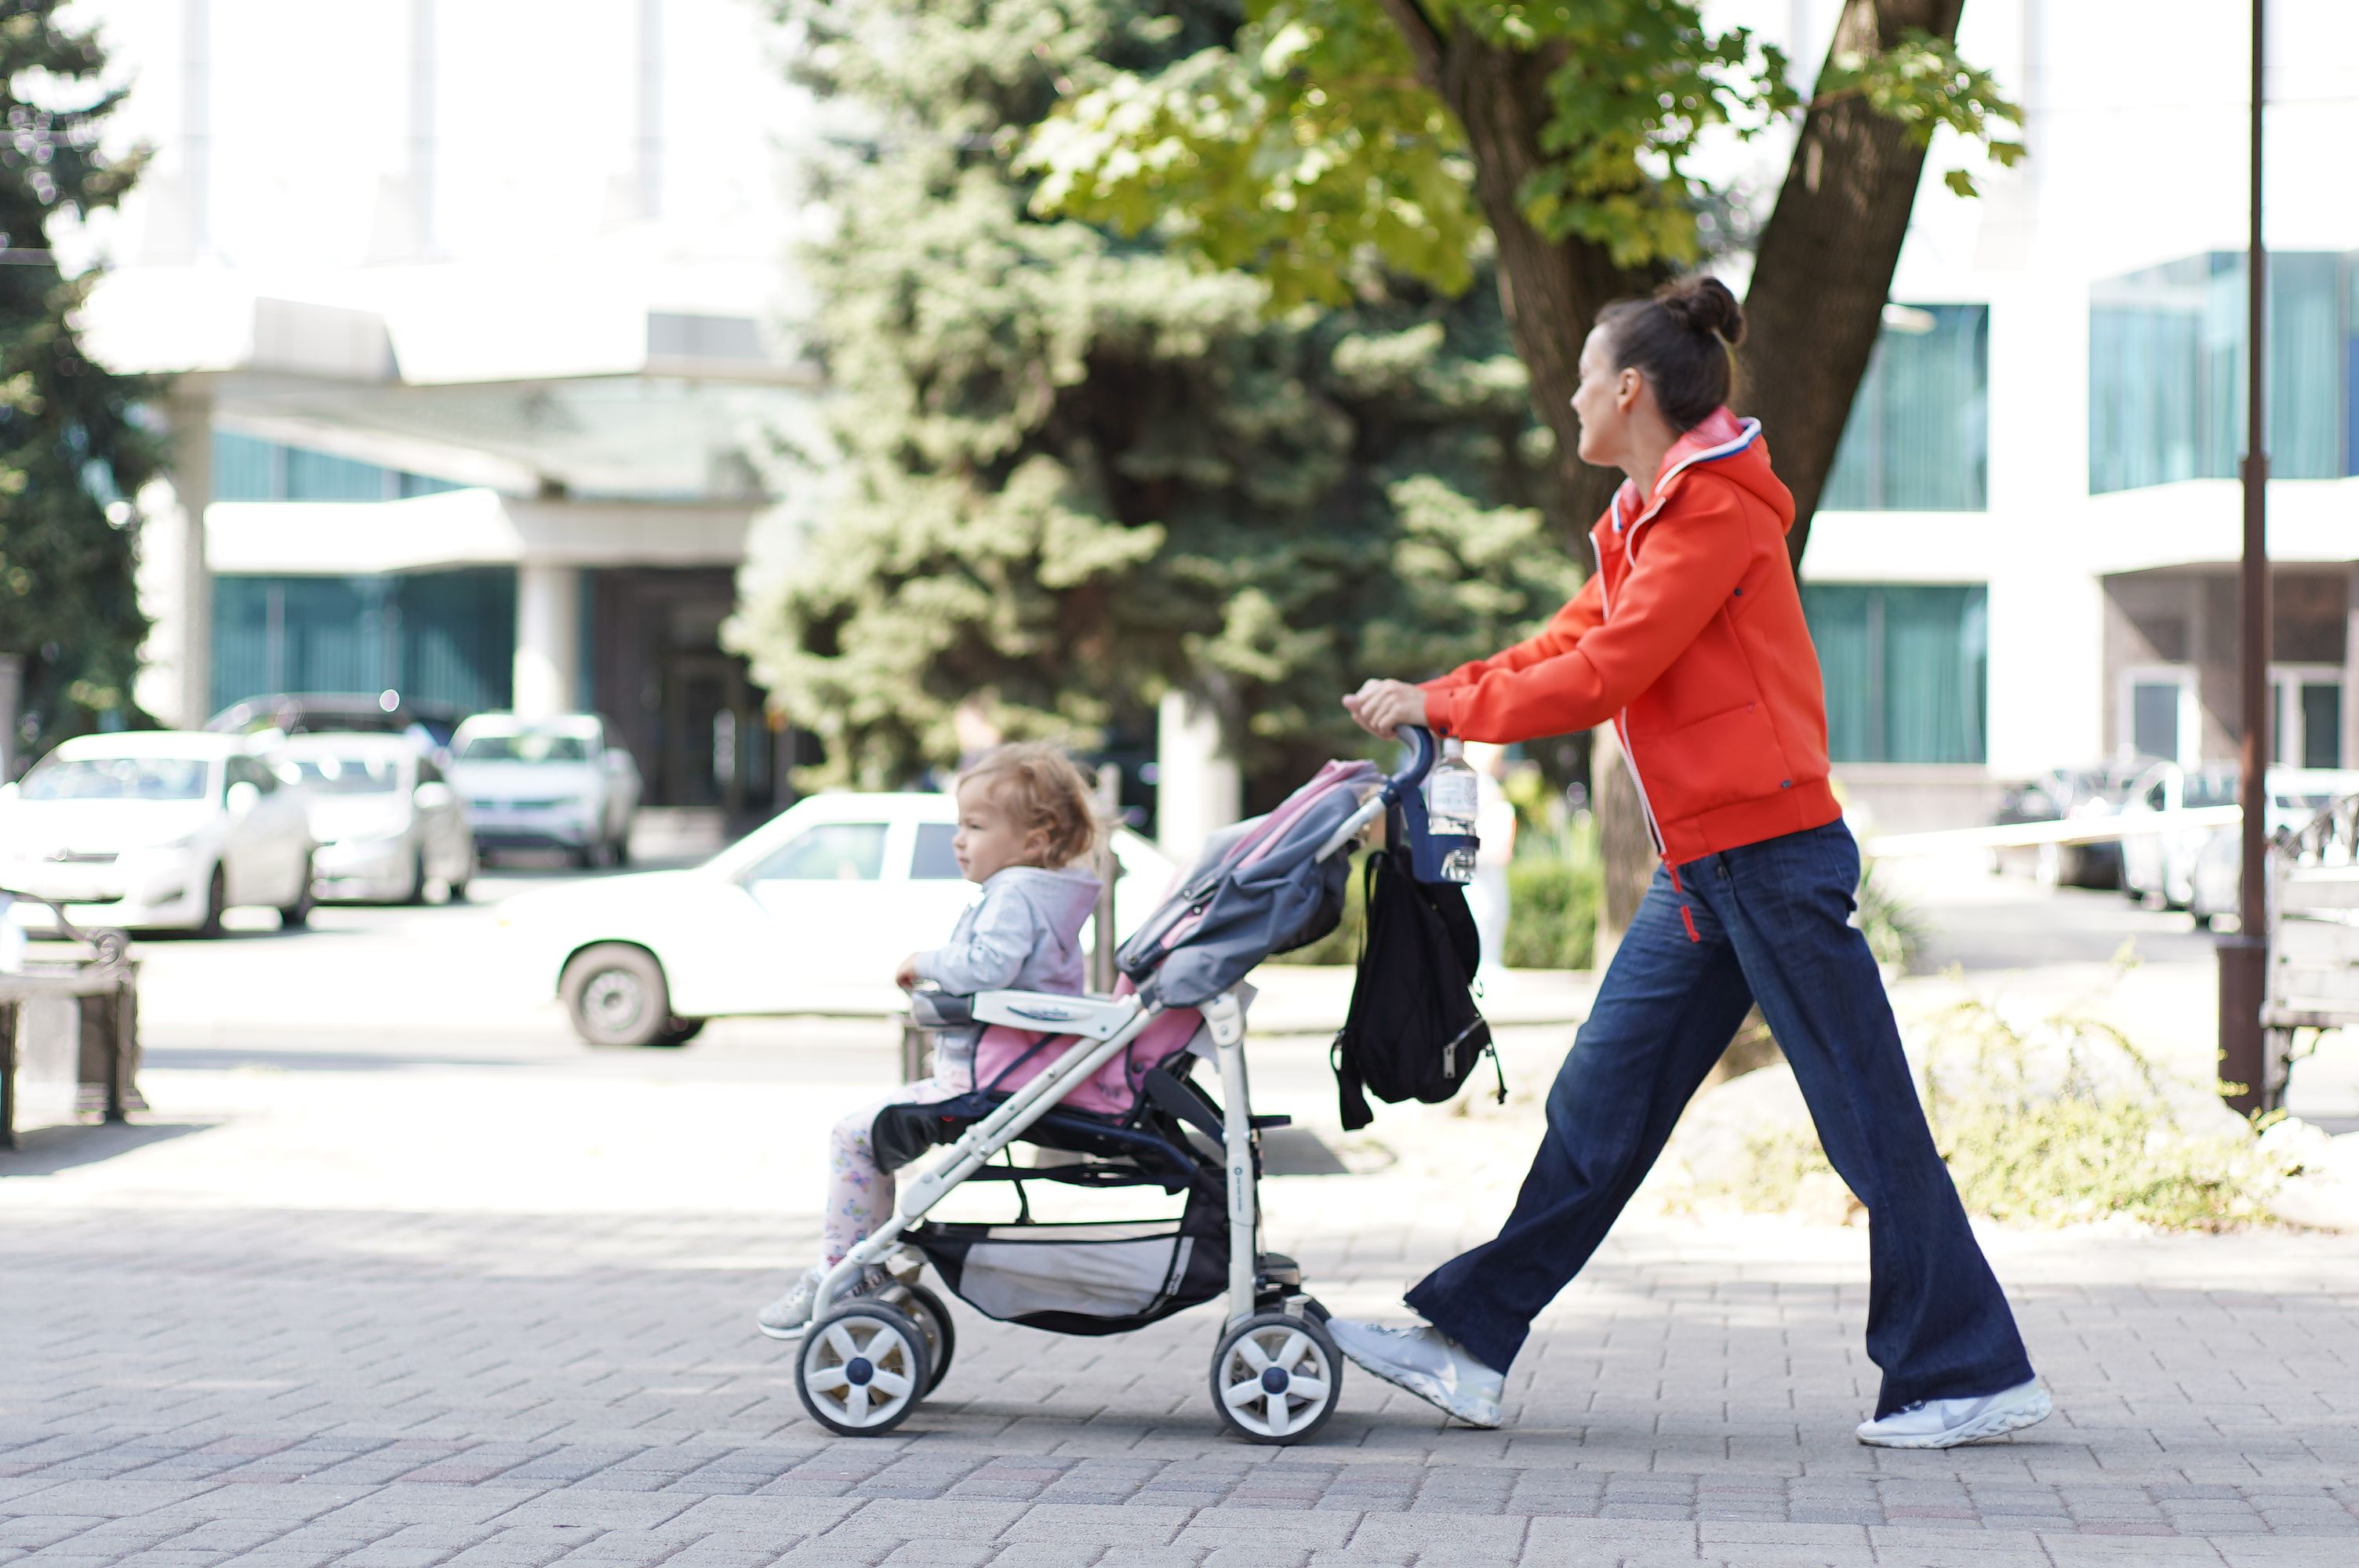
[
  {"x": 1071, "y": 472},
  {"x": 71, "y": 449}
]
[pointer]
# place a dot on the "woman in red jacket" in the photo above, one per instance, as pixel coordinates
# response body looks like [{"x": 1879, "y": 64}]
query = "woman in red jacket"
[{"x": 1690, "y": 639}]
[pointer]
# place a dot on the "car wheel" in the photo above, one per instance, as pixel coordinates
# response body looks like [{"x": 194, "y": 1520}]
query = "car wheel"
[
  {"x": 417, "y": 893},
  {"x": 679, "y": 1032},
  {"x": 581, "y": 856},
  {"x": 621, "y": 849},
  {"x": 616, "y": 996},
  {"x": 208, "y": 924},
  {"x": 295, "y": 916}
]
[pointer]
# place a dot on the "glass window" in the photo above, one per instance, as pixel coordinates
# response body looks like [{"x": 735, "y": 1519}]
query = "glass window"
[
  {"x": 830, "y": 852},
  {"x": 2167, "y": 371},
  {"x": 2153, "y": 717},
  {"x": 348, "y": 775},
  {"x": 1906, "y": 670},
  {"x": 933, "y": 859},
  {"x": 526, "y": 746},
  {"x": 115, "y": 778},
  {"x": 1917, "y": 439},
  {"x": 247, "y": 470}
]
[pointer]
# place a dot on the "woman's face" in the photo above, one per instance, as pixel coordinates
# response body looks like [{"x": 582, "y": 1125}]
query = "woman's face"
[{"x": 1601, "y": 403}]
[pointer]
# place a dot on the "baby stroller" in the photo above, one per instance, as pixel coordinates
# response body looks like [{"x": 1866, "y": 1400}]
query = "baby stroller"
[{"x": 1109, "y": 1082}]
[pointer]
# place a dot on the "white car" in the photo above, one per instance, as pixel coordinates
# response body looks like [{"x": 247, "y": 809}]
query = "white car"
[
  {"x": 808, "y": 914},
  {"x": 2160, "y": 866},
  {"x": 559, "y": 783},
  {"x": 388, "y": 825},
  {"x": 156, "y": 831},
  {"x": 2295, "y": 796}
]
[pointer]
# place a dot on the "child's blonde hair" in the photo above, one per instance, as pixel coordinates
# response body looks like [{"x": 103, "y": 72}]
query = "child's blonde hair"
[{"x": 1040, "y": 788}]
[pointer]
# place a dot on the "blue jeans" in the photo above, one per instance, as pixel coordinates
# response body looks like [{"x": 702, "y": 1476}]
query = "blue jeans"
[{"x": 1770, "y": 924}]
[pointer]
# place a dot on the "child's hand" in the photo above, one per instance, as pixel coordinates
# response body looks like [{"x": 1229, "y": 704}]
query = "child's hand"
[{"x": 906, "y": 977}]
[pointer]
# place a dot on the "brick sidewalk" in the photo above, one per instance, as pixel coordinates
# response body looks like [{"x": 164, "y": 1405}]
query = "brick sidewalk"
[{"x": 395, "y": 1390}]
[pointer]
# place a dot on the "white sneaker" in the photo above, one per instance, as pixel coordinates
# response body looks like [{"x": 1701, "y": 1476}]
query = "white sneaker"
[
  {"x": 786, "y": 1317},
  {"x": 1945, "y": 1423},
  {"x": 1428, "y": 1364}
]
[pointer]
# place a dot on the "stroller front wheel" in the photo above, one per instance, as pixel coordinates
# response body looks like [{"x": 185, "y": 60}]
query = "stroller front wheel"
[
  {"x": 1277, "y": 1377},
  {"x": 934, "y": 1319},
  {"x": 863, "y": 1369}
]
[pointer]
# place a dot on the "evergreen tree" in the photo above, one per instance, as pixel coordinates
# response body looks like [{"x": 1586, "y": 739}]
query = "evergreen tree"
[
  {"x": 1070, "y": 471},
  {"x": 69, "y": 447}
]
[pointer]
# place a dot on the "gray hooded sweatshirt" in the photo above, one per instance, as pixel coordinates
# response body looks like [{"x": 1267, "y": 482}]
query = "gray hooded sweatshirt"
[{"x": 1023, "y": 934}]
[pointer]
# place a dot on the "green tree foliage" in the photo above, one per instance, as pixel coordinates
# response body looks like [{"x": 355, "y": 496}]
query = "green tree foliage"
[
  {"x": 1310, "y": 140},
  {"x": 69, "y": 447},
  {"x": 1069, "y": 472}
]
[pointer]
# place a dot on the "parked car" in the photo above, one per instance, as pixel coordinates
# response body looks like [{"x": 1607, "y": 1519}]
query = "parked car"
[
  {"x": 156, "y": 831},
  {"x": 2295, "y": 796},
  {"x": 2089, "y": 794},
  {"x": 387, "y": 823},
  {"x": 2160, "y": 866},
  {"x": 810, "y": 913},
  {"x": 557, "y": 783},
  {"x": 278, "y": 714}
]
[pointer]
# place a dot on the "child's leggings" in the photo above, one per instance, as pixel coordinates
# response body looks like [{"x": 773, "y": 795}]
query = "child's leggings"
[{"x": 860, "y": 1193}]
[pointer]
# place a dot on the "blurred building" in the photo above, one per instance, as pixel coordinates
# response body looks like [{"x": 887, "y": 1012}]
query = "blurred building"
[
  {"x": 465, "y": 310},
  {"x": 2027, "y": 555}
]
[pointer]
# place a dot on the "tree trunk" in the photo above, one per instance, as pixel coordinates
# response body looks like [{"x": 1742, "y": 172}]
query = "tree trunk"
[
  {"x": 1816, "y": 303},
  {"x": 1825, "y": 262},
  {"x": 1550, "y": 290}
]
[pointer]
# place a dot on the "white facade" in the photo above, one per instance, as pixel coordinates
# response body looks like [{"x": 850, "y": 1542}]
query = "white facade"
[
  {"x": 2136, "y": 127},
  {"x": 529, "y": 250}
]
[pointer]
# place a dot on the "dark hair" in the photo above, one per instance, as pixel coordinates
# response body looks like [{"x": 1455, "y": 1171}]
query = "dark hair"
[{"x": 1683, "y": 340}]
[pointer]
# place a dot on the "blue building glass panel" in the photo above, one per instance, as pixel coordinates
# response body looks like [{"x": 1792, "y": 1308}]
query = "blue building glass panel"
[
  {"x": 1918, "y": 435},
  {"x": 1906, "y": 670}
]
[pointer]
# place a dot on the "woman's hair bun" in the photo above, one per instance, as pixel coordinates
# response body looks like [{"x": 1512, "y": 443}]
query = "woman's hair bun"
[{"x": 1704, "y": 305}]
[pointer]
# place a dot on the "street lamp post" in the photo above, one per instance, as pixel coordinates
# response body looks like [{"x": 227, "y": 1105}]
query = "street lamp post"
[{"x": 2245, "y": 956}]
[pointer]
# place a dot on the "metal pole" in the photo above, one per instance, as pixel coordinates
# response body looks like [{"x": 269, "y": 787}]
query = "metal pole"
[
  {"x": 1104, "y": 938},
  {"x": 2245, "y": 958}
]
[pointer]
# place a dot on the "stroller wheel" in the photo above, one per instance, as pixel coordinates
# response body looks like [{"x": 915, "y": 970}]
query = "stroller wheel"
[
  {"x": 862, "y": 1369},
  {"x": 934, "y": 1319},
  {"x": 1276, "y": 1378}
]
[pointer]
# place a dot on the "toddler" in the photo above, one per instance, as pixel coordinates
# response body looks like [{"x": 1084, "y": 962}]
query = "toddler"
[{"x": 1025, "y": 818}]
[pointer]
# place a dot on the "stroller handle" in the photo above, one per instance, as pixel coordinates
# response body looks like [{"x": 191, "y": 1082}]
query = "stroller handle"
[{"x": 1423, "y": 750}]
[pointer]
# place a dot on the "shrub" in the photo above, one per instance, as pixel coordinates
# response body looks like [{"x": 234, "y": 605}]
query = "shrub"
[
  {"x": 1552, "y": 911},
  {"x": 2064, "y": 1123}
]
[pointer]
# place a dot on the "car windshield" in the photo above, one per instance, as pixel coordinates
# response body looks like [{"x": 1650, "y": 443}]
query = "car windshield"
[
  {"x": 329, "y": 774},
  {"x": 2211, "y": 789},
  {"x": 116, "y": 778},
  {"x": 526, "y": 746}
]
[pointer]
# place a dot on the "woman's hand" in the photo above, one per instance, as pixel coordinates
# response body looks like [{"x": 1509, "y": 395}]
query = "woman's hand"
[
  {"x": 906, "y": 977},
  {"x": 1382, "y": 707}
]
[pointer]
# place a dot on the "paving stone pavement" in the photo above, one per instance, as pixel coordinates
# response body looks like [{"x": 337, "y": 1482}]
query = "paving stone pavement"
[{"x": 285, "y": 1387}]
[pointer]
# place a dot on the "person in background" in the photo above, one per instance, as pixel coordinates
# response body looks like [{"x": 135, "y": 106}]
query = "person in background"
[{"x": 1495, "y": 825}]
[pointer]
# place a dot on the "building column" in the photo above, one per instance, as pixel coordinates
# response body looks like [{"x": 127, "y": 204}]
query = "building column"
[
  {"x": 1198, "y": 787},
  {"x": 176, "y": 586},
  {"x": 549, "y": 639}
]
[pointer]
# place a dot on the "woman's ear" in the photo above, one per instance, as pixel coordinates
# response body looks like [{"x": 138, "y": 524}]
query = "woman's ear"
[{"x": 1625, "y": 394}]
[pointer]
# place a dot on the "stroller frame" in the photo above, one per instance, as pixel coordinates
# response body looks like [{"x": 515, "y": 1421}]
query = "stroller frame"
[{"x": 1274, "y": 1351}]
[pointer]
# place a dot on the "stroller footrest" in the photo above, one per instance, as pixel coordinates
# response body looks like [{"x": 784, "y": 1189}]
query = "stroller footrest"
[{"x": 1275, "y": 1121}]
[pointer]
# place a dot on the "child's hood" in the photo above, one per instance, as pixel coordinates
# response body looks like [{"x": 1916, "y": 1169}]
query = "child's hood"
[{"x": 1062, "y": 898}]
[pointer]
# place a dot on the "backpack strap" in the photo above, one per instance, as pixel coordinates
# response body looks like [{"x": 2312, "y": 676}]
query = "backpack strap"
[{"x": 1351, "y": 1088}]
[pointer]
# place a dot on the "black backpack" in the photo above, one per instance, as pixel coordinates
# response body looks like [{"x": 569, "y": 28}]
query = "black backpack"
[{"x": 1413, "y": 1031}]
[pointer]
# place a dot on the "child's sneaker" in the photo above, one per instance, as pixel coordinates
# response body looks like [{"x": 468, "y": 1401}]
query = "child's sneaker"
[{"x": 791, "y": 1313}]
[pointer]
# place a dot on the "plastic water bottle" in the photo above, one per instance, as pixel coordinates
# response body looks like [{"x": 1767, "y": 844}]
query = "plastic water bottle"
[{"x": 1451, "y": 801}]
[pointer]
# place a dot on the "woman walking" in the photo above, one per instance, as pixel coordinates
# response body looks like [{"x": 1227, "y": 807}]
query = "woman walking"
[{"x": 1690, "y": 639}]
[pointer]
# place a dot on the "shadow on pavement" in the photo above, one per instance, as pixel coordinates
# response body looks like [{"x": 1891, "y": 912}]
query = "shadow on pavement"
[{"x": 46, "y": 1151}]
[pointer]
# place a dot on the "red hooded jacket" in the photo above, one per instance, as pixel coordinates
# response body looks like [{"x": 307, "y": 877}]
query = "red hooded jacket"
[{"x": 1691, "y": 639}]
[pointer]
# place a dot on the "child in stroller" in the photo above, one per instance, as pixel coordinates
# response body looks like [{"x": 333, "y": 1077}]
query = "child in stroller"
[
  {"x": 1108, "y": 1079},
  {"x": 1025, "y": 818}
]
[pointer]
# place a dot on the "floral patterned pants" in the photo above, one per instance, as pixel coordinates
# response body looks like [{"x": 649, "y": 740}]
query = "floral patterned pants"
[{"x": 859, "y": 1193}]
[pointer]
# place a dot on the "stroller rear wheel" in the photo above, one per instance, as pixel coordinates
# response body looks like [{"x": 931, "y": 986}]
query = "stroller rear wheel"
[
  {"x": 1276, "y": 1377},
  {"x": 934, "y": 1319},
  {"x": 863, "y": 1369}
]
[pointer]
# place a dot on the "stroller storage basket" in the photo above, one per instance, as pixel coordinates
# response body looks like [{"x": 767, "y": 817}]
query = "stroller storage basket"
[{"x": 1090, "y": 1277}]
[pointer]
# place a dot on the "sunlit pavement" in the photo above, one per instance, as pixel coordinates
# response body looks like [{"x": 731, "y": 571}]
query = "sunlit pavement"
[{"x": 396, "y": 1272}]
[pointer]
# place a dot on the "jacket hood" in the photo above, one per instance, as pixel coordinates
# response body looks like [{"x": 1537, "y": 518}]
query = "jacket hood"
[
  {"x": 1729, "y": 447},
  {"x": 1064, "y": 897}
]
